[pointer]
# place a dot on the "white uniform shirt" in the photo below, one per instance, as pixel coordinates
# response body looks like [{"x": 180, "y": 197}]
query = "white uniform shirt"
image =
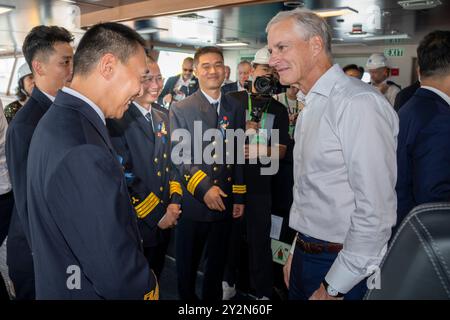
[{"x": 345, "y": 173}]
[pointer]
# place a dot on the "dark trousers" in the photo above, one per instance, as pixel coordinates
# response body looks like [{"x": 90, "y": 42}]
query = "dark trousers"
[
  {"x": 232, "y": 267},
  {"x": 192, "y": 237},
  {"x": 156, "y": 255},
  {"x": 309, "y": 270},
  {"x": 258, "y": 222},
  {"x": 20, "y": 261},
  {"x": 6, "y": 206}
]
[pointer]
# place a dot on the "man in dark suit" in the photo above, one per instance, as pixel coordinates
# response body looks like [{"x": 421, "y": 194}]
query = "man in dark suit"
[
  {"x": 213, "y": 189},
  {"x": 180, "y": 86},
  {"x": 423, "y": 153},
  {"x": 48, "y": 52},
  {"x": 142, "y": 140},
  {"x": 244, "y": 69},
  {"x": 405, "y": 94},
  {"x": 84, "y": 235}
]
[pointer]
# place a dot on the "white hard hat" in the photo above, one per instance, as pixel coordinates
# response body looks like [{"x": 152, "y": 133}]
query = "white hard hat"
[
  {"x": 262, "y": 56},
  {"x": 23, "y": 71},
  {"x": 377, "y": 60}
]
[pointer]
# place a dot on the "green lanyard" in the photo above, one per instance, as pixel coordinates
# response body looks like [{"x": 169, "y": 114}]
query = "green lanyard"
[
  {"x": 263, "y": 120},
  {"x": 287, "y": 105}
]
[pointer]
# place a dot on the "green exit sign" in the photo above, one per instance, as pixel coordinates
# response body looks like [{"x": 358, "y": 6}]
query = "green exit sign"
[{"x": 394, "y": 52}]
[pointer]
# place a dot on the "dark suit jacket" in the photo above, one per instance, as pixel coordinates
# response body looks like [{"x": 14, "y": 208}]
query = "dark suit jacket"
[
  {"x": 145, "y": 156},
  {"x": 198, "y": 178},
  {"x": 169, "y": 87},
  {"x": 405, "y": 94},
  {"x": 18, "y": 140},
  {"x": 81, "y": 220},
  {"x": 230, "y": 87},
  {"x": 423, "y": 153}
]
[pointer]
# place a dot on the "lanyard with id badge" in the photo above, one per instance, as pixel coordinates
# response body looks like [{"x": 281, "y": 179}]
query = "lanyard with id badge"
[{"x": 262, "y": 136}]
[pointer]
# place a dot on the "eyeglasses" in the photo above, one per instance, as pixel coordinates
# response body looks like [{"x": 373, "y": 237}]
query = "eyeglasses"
[{"x": 188, "y": 70}]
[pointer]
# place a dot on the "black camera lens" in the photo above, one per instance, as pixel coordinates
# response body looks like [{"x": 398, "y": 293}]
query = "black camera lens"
[{"x": 265, "y": 84}]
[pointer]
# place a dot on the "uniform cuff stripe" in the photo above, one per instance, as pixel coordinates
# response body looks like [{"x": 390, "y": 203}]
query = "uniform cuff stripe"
[
  {"x": 175, "y": 187},
  {"x": 240, "y": 189},
  {"x": 195, "y": 180},
  {"x": 147, "y": 206}
]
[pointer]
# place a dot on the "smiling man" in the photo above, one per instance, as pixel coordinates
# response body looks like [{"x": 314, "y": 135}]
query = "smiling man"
[
  {"x": 213, "y": 193},
  {"x": 142, "y": 140},
  {"x": 84, "y": 233},
  {"x": 344, "y": 164}
]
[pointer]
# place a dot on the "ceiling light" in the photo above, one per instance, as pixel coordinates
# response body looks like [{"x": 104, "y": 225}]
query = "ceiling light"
[
  {"x": 150, "y": 30},
  {"x": 419, "y": 4},
  {"x": 5, "y": 8},
  {"x": 190, "y": 16},
  {"x": 387, "y": 37},
  {"x": 293, "y": 4},
  {"x": 361, "y": 34},
  {"x": 334, "y": 12},
  {"x": 232, "y": 44}
]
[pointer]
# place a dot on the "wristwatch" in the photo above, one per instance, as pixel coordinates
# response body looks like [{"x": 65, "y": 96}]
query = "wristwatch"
[{"x": 332, "y": 292}]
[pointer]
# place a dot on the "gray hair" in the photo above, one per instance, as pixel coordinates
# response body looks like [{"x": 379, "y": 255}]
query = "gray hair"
[{"x": 308, "y": 24}]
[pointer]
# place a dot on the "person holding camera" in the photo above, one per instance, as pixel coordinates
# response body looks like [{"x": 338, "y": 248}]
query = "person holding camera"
[
  {"x": 180, "y": 86},
  {"x": 264, "y": 115}
]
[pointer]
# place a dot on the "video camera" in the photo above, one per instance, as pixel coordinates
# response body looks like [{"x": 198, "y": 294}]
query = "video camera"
[{"x": 266, "y": 85}]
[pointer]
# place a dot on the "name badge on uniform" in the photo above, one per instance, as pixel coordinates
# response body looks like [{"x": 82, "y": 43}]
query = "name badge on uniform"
[
  {"x": 161, "y": 131},
  {"x": 223, "y": 124}
]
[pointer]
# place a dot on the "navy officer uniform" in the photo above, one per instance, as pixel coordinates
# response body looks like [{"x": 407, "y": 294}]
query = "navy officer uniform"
[
  {"x": 142, "y": 142},
  {"x": 84, "y": 234},
  {"x": 199, "y": 226},
  {"x": 18, "y": 139}
]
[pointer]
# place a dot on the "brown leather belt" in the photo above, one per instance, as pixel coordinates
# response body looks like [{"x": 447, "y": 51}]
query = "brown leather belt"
[{"x": 315, "y": 248}]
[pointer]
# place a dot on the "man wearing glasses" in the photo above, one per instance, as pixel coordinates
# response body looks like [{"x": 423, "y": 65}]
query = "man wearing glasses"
[
  {"x": 143, "y": 134},
  {"x": 180, "y": 86}
]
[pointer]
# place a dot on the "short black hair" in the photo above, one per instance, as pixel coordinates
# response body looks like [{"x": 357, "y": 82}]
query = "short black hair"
[
  {"x": 102, "y": 38},
  {"x": 433, "y": 54},
  {"x": 40, "y": 41},
  {"x": 209, "y": 49},
  {"x": 354, "y": 67},
  {"x": 351, "y": 67}
]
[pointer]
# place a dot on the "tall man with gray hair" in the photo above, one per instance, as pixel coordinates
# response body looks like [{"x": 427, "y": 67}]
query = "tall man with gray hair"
[{"x": 344, "y": 164}]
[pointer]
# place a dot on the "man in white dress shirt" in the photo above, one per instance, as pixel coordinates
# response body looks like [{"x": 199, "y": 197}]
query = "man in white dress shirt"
[{"x": 344, "y": 164}]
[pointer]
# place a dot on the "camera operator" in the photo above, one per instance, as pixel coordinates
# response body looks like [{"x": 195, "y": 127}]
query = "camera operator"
[{"x": 263, "y": 114}]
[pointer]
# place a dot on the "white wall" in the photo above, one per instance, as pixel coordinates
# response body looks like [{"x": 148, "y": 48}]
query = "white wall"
[{"x": 231, "y": 58}]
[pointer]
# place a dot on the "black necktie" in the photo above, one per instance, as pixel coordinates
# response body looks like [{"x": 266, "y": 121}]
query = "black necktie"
[
  {"x": 216, "y": 106},
  {"x": 149, "y": 118}
]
